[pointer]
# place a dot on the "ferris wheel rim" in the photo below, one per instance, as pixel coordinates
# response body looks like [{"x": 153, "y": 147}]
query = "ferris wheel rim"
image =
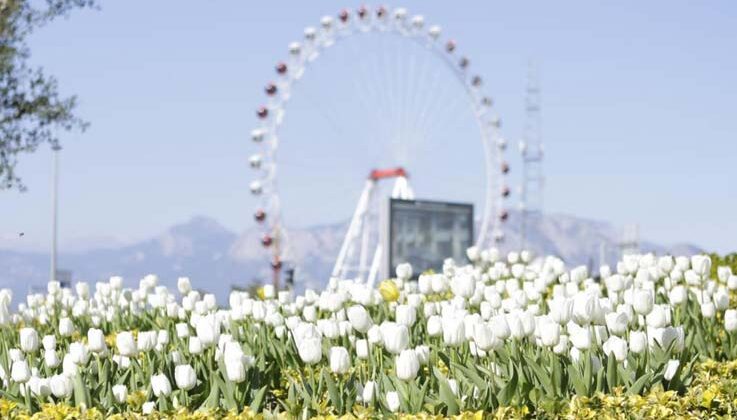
[{"x": 320, "y": 39}]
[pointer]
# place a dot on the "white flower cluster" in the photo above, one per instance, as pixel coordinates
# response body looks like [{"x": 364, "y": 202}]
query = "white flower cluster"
[{"x": 496, "y": 303}]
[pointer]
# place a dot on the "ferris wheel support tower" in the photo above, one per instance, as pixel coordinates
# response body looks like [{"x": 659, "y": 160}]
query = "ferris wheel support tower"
[{"x": 358, "y": 236}]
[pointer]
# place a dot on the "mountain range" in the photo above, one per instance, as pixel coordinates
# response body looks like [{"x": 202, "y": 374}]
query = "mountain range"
[{"x": 217, "y": 259}]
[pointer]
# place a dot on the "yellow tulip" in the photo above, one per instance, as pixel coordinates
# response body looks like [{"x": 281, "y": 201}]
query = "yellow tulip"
[{"x": 389, "y": 290}]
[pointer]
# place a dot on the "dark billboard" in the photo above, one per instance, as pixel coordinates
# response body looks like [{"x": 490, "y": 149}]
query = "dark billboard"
[{"x": 425, "y": 233}]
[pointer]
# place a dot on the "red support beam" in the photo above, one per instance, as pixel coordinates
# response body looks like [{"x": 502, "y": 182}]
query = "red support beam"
[{"x": 378, "y": 174}]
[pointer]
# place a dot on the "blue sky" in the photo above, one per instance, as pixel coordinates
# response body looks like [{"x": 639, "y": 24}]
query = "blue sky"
[{"x": 640, "y": 121}]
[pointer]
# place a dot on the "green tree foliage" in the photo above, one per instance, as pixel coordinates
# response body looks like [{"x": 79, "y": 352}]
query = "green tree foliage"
[{"x": 31, "y": 110}]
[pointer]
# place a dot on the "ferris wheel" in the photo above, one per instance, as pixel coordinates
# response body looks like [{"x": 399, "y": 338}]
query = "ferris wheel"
[{"x": 408, "y": 110}]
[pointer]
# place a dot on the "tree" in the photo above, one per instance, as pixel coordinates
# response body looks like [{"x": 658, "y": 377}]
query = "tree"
[{"x": 32, "y": 112}]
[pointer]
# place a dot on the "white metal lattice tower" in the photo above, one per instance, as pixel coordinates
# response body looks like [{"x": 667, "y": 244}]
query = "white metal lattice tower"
[{"x": 531, "y": 148}]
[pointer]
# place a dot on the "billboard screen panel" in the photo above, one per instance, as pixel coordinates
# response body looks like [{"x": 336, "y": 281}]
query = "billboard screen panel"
[{"x": 425, "y": 233}]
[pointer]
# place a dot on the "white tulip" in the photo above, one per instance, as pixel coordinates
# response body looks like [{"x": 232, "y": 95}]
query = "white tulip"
[
  {"x": 730, "y": 320},
  {"x": 453, "y": 331},
  {"x": 642, "y": 302},
  {"x": 182, "y": 330},
  {"x": 20, "y": 372},
  {"x": 340, "y": 361},
  {"x": 392, "y": 401},
  {"x": 500, "y": 327},
  {"x": 195, "y": 345},
  {"x": 671, "y": 368},
  {"x": 120, "y": 393},
  {"x": 394, "y": 336},
  {"x": 368, "y": 391},
  {"x": 616, "y": 322},
  {"x": 638, "y": 341},
  {"x": 407, "y": 365},
  {"x": 28, "y": 340},
  {"x": 310, "y": 350},
  {"x": 423, "y": 354},
  {"x": 404, "y": 271},
  {"x": 51, "y": 358},
  {"x": 708, "y": 310},
  {"x": 434, "y": 326},
  {"x": 362, "y": 349},
  {"x": 374, "y": 335},
  {"x": 148, "y": 408},
  {"x": 126, "y": 344},
  {"x": 359, "y": 318},
  {"x": 562, "y": 346},
  {"x": 463, "y": 285},
  {"x": 406, "y": 315},
  {"x": 185, "y": 377},
  {"x": 66, "y": 327},
  {"x": 701, "y": 264},
  {"x": 721, "y": 300},
  {"x": 208, "y": 330},
  {"x": 617, "y": 347},
  {"x": 580, "y": 337},
  {"x": 61, "y": 386},
  {"x": 96, "y": 340},
  {"x": 549, "y": 333},
  {"x": 49, "y": 342}
]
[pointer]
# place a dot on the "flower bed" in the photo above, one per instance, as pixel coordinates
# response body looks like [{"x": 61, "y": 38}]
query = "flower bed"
[{"x": 503, "y": 336}]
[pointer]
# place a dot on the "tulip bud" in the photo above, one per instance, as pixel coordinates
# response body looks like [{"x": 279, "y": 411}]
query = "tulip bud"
[{"x": 407, "y": 365}]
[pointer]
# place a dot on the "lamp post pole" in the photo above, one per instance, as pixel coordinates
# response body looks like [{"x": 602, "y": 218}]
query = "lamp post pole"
[{"x": 54, "y": 210}]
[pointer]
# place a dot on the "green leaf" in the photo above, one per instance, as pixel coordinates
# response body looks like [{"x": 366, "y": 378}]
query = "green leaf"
[
  {"x": 639, "y": 384},
  {"x": 507, "y": 392},
  {"x": 258, "y": 399},
  {"x": 333, "y": 391},
  {"x": 81, "y": 393},
  {"x": 448, "y": 398}
]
